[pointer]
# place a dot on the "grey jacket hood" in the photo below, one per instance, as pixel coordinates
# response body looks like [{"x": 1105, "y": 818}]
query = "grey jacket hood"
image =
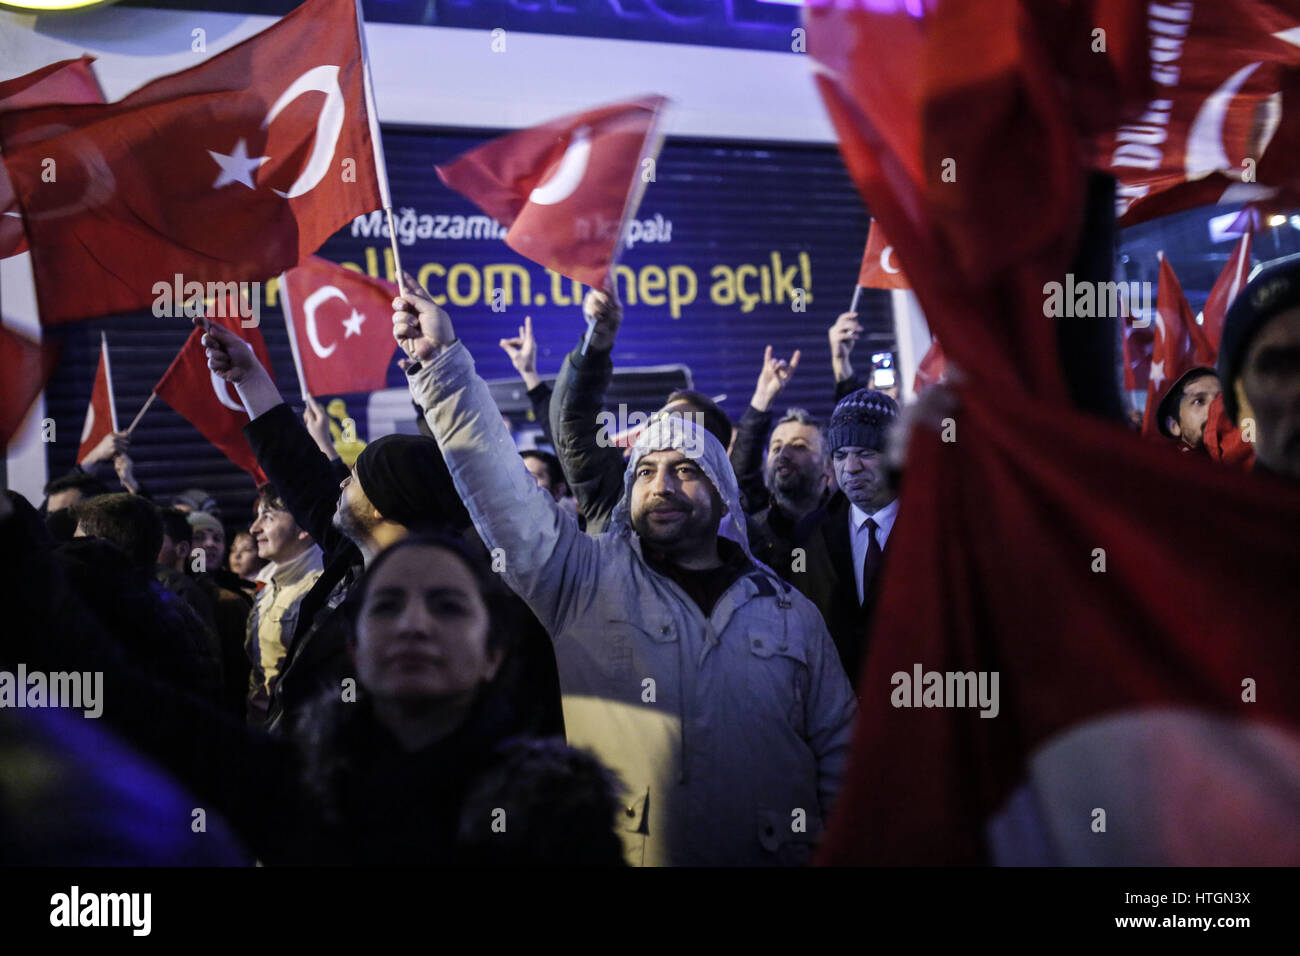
[{"x": 698, "y": 444}]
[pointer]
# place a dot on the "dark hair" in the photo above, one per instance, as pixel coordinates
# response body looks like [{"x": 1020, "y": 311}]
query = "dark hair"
[
  {"x": 175, "y": 525},
  {"x": 269, "y": 495},
  {"x": 502, "y": 621},
  {"x": 553, "y": 470},
  {"x": 715, "y": 419},
  {"x": 87, "y": 484},
  {"x": 129, "y": 521},
  {"x": 1168, "y": 408}
]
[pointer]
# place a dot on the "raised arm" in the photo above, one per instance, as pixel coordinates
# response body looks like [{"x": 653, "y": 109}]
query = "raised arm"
[
  {"x": 536, "y": 546},
  {"x": 592, "y": 465},
  {"x": 284, "y": 448},
  {"x": 751, "y": 434}
]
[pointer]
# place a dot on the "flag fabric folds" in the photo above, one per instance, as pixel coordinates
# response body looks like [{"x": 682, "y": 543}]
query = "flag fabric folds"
[
  {"x": 564, "y": 189},
  {"x": 233, "y": 170},
  {"x": 208, "y": 402},
  {"x": 101, "y": 414},
  {"x": 342, "y": 324},
  {"x": 25, "y": 366},
  {"x": 1180, "y": 345},
  {"x": 68, "y": 81},
  {"x": 1040, "y": 599}
]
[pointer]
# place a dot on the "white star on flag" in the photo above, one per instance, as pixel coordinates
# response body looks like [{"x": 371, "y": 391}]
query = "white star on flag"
[
  {"x": 1157, "y": 373},
  {"x": 353, "y": 323},
  {"x": 236, "y": 167}
]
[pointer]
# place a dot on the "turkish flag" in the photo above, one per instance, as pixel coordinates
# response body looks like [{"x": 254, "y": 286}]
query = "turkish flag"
[
  {"x": 1136, "y": 343},
  {"x": 931, "y": 369},
  {"x": 1179, "y": 346},
  {"x": 1124, "y": 680},
  {"x": 233, "y": 170},
  {"x": 564, "y": 189},
  {"x": 208, "y": 402},
  {"x": 1220, "y": 124},
  {"x": 342, "y": 324},
  {"x": 880, "y": 268},
  {"x": 101, "y": 414},
  {"x": 25, "y": 366},
  {"x": 68, "y": 81},
  {"x": 1231, "y": 281}
]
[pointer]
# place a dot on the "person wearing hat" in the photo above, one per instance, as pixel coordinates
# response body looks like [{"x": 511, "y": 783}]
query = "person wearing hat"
[
  {"x": 705, "y": 681},
  {"x": 845, "y": 556},
  {"x": 1183, "y": 412},
  {"x": 399, "y": 484},
  {"x": 1259, "y": 365}
]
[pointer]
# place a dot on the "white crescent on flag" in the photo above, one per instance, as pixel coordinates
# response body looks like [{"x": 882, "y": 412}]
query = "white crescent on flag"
[
  {"x": 885, "y": 255},
  {"x": 323, "y": 294},
  {"x": 561, "y": 184},
  {"x": 220, "y": 387}
]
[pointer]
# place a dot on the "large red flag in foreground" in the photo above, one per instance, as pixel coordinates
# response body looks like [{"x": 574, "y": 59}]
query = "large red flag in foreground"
[
  {"x": 101, "y": 414},
  {"x": 68, "y": 81},
  {"x": 932, "y": 368},
  {"x": 208, "y": 402},
  {"x": 342, "y": 324},
  {"x": 233, "y": 170},
  {"x": 564, "y": 189},
  {"x": 1180, "y": 345},
  {"x": 25, "y": 365},
  {"x": 1124, "y": 678},
  {"x": 879, "y": 268}
]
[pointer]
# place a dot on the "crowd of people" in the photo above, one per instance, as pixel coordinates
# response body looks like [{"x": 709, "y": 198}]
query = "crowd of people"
[{"x": 639, "y": 648}]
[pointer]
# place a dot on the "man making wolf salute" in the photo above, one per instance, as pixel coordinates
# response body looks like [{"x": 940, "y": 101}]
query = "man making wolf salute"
[{"x": 706, "y": 682}]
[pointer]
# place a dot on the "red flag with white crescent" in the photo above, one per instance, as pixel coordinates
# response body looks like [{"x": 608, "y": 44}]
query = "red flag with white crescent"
[
  {"x": 232, "y": 170},
  {"x": 207, "y": 401},
  {"x": 1220, "y": 124},
  {"x": 68, "y": 81},
  {"x": 101, "y": 415},
  {"x": 566, "y": 188},
  {"x": 342, "y": 325},
  {"x": 880, "y": 268}
]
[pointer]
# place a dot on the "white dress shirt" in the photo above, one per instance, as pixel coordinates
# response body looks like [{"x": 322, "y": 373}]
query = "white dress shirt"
[{"x": 861, "y": 537}]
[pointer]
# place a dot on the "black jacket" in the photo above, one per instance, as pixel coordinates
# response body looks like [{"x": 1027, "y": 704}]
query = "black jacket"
[
  {"x": 316, "y": 659},
  {"x": 594, "y": 471}
]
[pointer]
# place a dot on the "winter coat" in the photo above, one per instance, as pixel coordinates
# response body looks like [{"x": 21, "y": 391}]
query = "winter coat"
[{"x": 730, "y": 731}]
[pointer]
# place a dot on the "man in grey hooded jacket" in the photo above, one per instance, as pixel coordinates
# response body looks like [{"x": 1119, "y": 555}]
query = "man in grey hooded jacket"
[{"x": 705, "y": 681}]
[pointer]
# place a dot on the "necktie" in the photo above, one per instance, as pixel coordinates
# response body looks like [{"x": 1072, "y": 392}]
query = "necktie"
[{"x": 871, "y": 563}]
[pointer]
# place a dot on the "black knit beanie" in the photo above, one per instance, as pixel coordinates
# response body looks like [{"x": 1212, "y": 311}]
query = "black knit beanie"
[{"x": 862, "y": 420}]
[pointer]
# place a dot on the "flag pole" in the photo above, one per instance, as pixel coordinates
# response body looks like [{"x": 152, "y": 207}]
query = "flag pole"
[
  {"x": 293, "y": 339},
  {"x": 140, "y": 414},
  {"x": 108, "y": 375},
  {"x": 857, "y": 294},
  {"x": 381, "y": 169}
]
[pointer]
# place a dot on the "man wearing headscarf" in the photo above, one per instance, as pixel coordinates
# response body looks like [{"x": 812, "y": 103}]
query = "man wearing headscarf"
[
  {"x": 708, "y": 684},
  {"x": 399, "y": 484}
]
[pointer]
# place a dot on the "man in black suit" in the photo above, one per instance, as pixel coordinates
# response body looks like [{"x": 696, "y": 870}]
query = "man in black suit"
[{"x": 846, "y": 552}]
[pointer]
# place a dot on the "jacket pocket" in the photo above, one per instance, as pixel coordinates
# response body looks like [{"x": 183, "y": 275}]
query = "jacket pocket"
[
  {"x": 634, "y": 825},
  {"x": 779, "y": 677},
  {"x": 789, "y": 835}
]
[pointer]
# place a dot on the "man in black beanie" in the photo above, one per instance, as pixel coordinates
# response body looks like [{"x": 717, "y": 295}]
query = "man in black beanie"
[
  {"x": 847, "y": 553},
  {"x": 1259, "y": 365},
  {"x": 399, "y": 484}
]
